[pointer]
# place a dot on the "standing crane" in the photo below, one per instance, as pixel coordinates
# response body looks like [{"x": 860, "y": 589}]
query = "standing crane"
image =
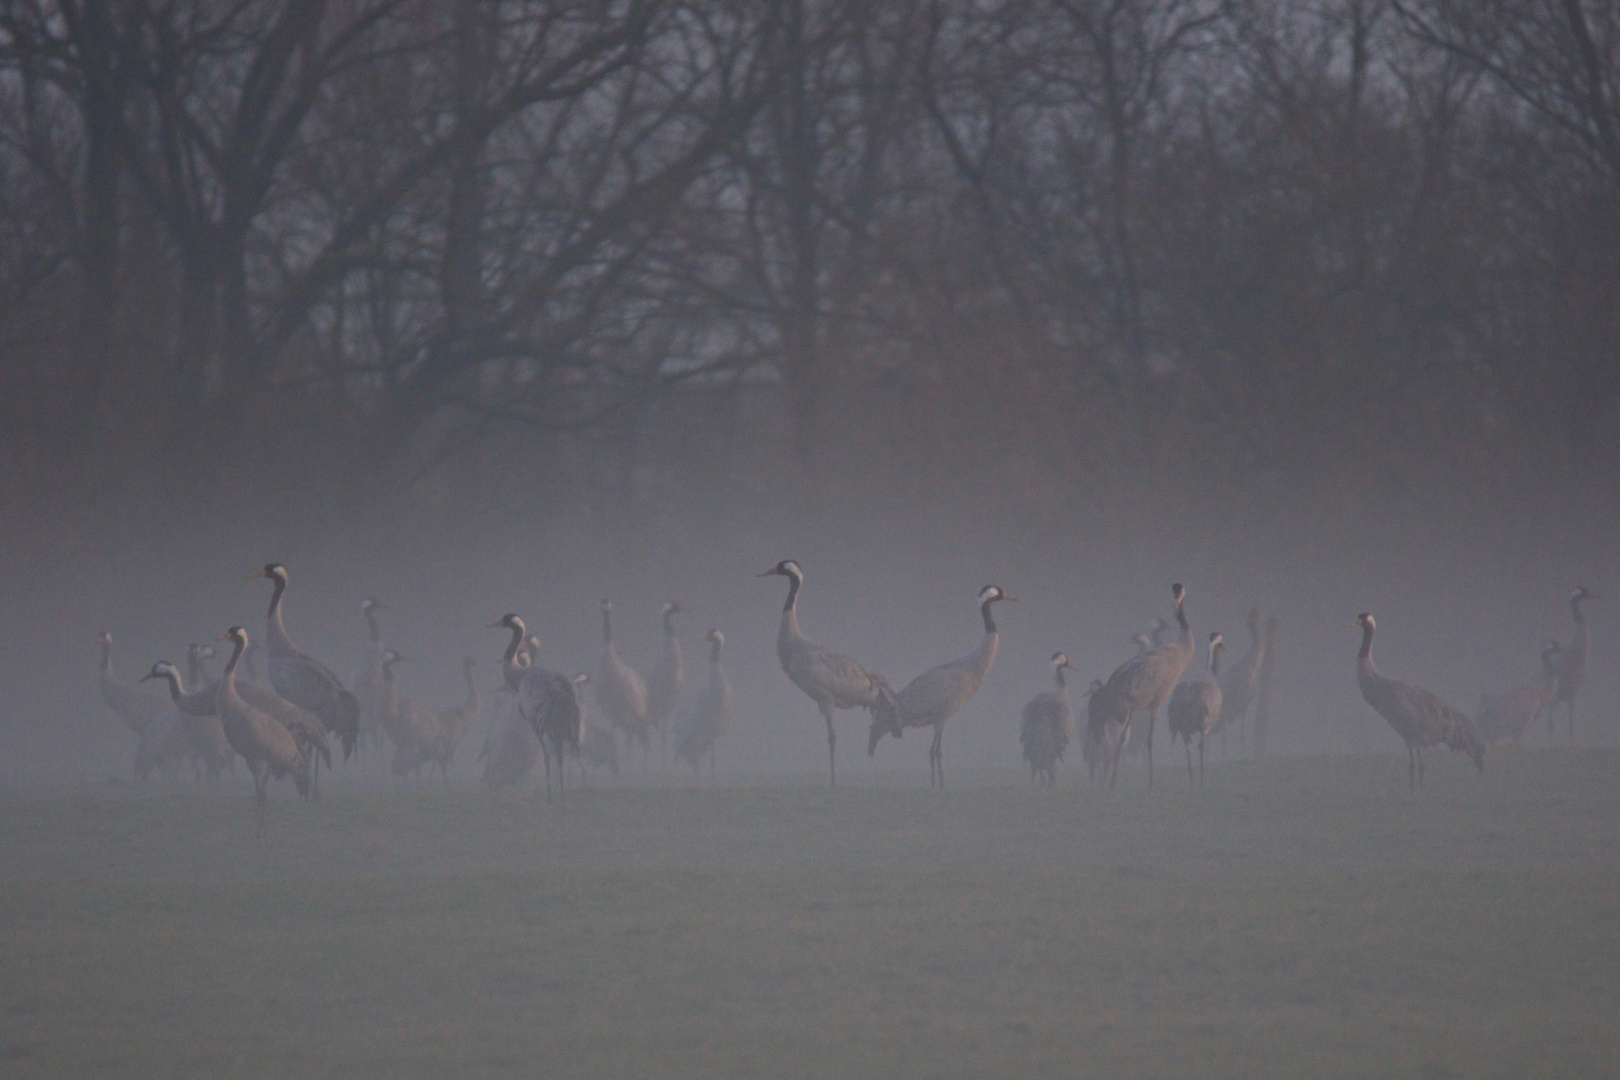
[
  {"x": 199, "y": 727},
  {"x": 1196, "y": 702},
  {"x": 511, "y": 748},
  {"x": 831, "y": 679},
  {"x": 1143, "y": 683},
  {"x": 547, "y": 699},
  {"x": 302, "y": 679},
  {"x": 263, "y": 741},
  {"x": 1268, "y": 679},
  {"x": 939, "y": 693},
  {"x": 620, "y": 691},
  {"x": 1420, "y": 717},
  {"x": 668, "y": 678},
  {"x": 1571, "y": 662},
  {"x": 1506, "y": 715},
  {"x": 1048, "y": 725},
  {"x": 705, "y": 715}
]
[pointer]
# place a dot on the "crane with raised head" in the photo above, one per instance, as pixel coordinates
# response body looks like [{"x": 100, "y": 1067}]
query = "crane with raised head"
[
  {"x": 621, "y": 693},
  {"x": 1195, "y": 704},
  {"x": 1420, "y": 717},
  {"x": 1240, "y": 685},
  {"x": 1571, "y": 662},
  {"x": 829, "y": 678},
  {"x": 368, "y": 676},
  {"x": 939, "y": 693},
  {"x": 302, "y": 679},
  {"x": 263, "y": 741},
  {"x": 706, "y": 714},
  {"x": 547, "y": 699},
  {"x": 667, "y": 680},
  {"x": 1143, "y": 684}
]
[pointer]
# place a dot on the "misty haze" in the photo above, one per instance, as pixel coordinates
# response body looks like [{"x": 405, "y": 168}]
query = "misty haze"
[{"x": 455, "y": 458}]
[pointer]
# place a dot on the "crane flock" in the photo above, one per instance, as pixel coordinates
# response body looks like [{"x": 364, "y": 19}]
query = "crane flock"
[{"x": 285, "y": 726}]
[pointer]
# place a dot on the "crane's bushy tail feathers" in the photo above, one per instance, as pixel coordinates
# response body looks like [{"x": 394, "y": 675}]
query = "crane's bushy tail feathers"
[
  {"x": 1463, "y": 738},
  {"x": 885, "y": 709}
]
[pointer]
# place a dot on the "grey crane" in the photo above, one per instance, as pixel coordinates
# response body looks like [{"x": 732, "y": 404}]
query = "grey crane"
[
  {"x": 137, "y": 706},
  {"x": 421, "y": 736},
  {"x": 831, "y": 679},
  {"x": 302, "y": 679},
  {"x": 203, "y": 701},
  {"x": 511, "y": 748},
  {"x": 620, "y": 691},
  {"x": 667, "y": 680},
  {"x": 939, "y": 693},
  {"x": 547, "y": 699},
  {"x": 1240, "y": 686},
  {"x": 706, "y": 714},
  {"x": 1143, "y": 683},
  {"x": 1195, "y": 706},
  {"x": 1105, "y": 732},
  {"x": 1420, "y": 717},
  {"x": 263, "y": 741},
  {"x": 199, "y": 728},
  {"x": 1506, "y": 715},
  {"x": 368, "y": 676},
  {"x": 1571, "y": 662},
  {"x": 1047, "y": 725}
]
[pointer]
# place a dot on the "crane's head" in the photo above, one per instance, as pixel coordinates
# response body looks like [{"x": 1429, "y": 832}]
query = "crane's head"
[
  {"x": 236, "y": 635},
  {"x": 1177, "y": 593},
  {"x": 509, "y": 621},
  {"x": 1581, "y": 592},
  {"x": 786, "y": 568},
  {"x": 200, "y": 652},
  {"x": 160, "y": 670},
  {"x": 991, "y": 593},
  {"x": 672, "y": 608},
  {"x": 1060, "y": 661},
  {"x": 274, "y": 571},
  {"x": 607, "y": 607},
  {"x": 370, "y": 604},
  {"x": 581, "y": 678},
  {"x": 716, "y": 637},
  {"x": 1366, "y": 622},
  {"x": 1216, "y": 642},
  {"x": 105, "y": 637}
]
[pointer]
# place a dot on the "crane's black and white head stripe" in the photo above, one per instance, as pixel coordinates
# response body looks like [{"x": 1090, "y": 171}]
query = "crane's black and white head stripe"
[
  {"x": 509, "y": 621},
  {"x": 1366, "y": 621},
  {"x": 717, "y": 637},
  {"x": 274, "y": 571},
  {"x": 1216, "y": 641},
  {"x": 1581, "y": 592},
  {"x": 990, "y": 594},
  {"x": 1061, "y": 660},
  {"x": 786, "y": 568},
  {"x": 673, "y": 608},
  {"x": 160, "y": 670}
]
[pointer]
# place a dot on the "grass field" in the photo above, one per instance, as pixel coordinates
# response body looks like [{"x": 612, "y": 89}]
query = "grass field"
[{"x": 1301, "y": 918}]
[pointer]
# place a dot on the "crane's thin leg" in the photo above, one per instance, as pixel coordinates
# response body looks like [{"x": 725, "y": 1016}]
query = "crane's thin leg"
[
  {"x": 711, "y": 763},
  {"x": 936, "y": 759},
  {"x": 1153, "y": 718},
  {"x": 1572, "y": 720},
  {"x": 1190, "y": 782},
  {"x": 261, "y": 796},
  {"x": 832, "y": 741},
  {"x": 545, "y": 752},
  {"x": 562, "y": 775},
  {"x": 1411, "y": 769},
  {"x": 1200, "y": 761}
]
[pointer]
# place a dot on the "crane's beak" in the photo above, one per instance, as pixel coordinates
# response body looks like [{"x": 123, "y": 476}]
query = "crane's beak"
[
  {"x": 496, "y": 625},
  {"x": 257, "y": 574},
  {"x": 766, "y": 573},
  {"x": 1009, "y": 599},
  {"x": 148, "y": 675}
]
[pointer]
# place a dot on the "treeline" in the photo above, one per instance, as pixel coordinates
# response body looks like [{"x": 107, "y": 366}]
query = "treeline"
[{"x": 627, "y": 252}]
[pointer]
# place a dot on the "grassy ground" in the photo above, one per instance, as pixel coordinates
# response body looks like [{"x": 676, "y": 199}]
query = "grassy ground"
[{"x": 1300, "y": 918}]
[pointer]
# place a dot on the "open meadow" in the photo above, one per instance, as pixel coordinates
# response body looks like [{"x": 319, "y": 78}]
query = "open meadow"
[{"x": 1303, "y": 917}]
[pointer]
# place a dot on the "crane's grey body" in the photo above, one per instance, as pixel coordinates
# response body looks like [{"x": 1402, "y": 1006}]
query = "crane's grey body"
[
  {"x": 667, "y": 680},
  {"x": 1420, "y": 717},
  {"x": 831, "y": 679},
  {"x": 422, "y": 737},
  {"x": 547, "y": 699},
  {"x": 1240, "y": 684},
  {"x": 706, "y": 714},
  {"x": 1046, "y": 726},
  {"x": 511, "y": 748},
  {"x": 1268, "y": 680},
  {"x": 199, "y": 728},
  {"x": 368, "y": 675},
  {"x": 305, "y": 727},
  {"x": 1143, "y": 684},
  {"x": 1105, "y": 733},
  {"x": 621, "y": 693},
  {"x": 137, "y": 706},
  {"x": 263, "y": 741},
  {"x": 1195, "y": 704},
  {"x": 1570, "y": 663},
  {"x": 940, "y": 693},
  {"x": 302, "y": 679},
  {"x": 1507, "y": 715}
]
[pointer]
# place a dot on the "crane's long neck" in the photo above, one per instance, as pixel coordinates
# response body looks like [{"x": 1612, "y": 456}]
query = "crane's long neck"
[
  {"x": 177, "y": 689},
  {"x": 1214, "y": 662},
  {"x": 980, "y": 659},
  {"x": 1365, "y": 669},
  {"x": 275, "y": 632},
  {"x": 227, "y": 681},
  {"x": 1185, "y": 638},
  {"x": 371, "y": 625},
  {"x": 510, "y": 668},
  {"x": 788, "y": 634},
  {"x": 714, "y": 654},
  {"x": 106, "y": 657},
  {"x": 669, "y": 624},
  {"x": 472, "y": 687},
  {"x": 1583, "y": 637},
  {"x": 1062, "y": 683},
  {"x": 607, "y": 626}
]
